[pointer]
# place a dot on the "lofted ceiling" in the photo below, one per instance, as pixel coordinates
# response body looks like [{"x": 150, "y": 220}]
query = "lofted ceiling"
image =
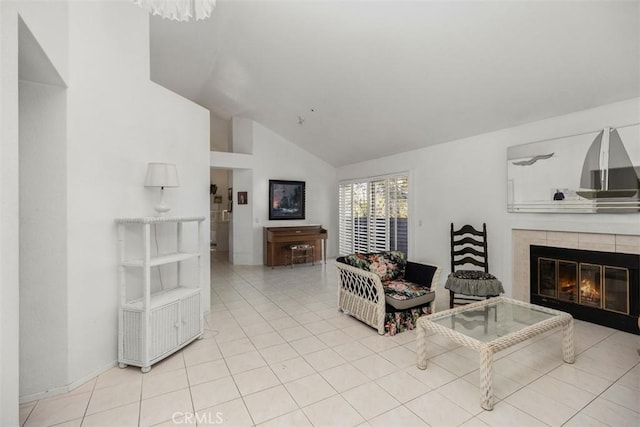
[{"x": 356, "y": 80}]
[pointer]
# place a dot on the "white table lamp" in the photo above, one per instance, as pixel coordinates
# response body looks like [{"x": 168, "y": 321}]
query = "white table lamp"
[{"x": 162, "y": 175}]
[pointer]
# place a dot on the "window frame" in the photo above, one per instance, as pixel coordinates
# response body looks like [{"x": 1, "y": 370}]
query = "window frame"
[{"x": 380, "y": 197}]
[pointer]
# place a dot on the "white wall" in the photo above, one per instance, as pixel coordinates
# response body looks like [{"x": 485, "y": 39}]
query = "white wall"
[
  {"x": 117, "y": 121},
  {"x": 9, "y": 315},
  {"x": 241, "y": 244},
  {"x": 240, "y": 228},
  {"x": 241, "y": 135},
  {"x": 220, "y": 132},
  {"x": 220, "y": 141},
  {"x": 278, "y": 158},
  {"x": 220, "y": 221},
  {"x": 48, "y": 22},
  {"x": 43, "y": 237},
  {"x": 465, "y": 181},
  {"x": 267, "y": 155}
]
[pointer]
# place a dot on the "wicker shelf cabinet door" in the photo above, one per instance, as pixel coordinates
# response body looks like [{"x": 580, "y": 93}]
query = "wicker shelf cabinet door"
[{"x": 155, "y": 324}]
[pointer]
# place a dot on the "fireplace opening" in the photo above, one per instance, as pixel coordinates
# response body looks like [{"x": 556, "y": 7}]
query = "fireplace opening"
[{"x": 598, "y": 287}]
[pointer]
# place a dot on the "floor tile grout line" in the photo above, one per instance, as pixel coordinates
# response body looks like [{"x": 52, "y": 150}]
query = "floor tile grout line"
[
  {"x": 186, "y": 372},
  {"x": 31, "y": 412},
  {"x": 253, "y": 421},
  {"x": 140, "y": 402},
  {"x": 251, "y": 282},
  {"x": 85, "y": 415},
  {"x": 601, "y": 395},
  {"x": 283, "y": 384}
]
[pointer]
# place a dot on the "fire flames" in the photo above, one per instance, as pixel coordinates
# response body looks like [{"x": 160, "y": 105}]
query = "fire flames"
[
  {"x": 567, "y": 287},
  {"x": 588, "y": 291}
]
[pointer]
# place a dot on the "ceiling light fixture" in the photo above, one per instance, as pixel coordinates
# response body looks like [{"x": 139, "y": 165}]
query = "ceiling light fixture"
[{"x": 178, "y": 10}]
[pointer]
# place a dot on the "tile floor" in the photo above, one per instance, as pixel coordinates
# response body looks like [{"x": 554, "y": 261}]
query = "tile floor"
[{"x": 276, "y": 352}]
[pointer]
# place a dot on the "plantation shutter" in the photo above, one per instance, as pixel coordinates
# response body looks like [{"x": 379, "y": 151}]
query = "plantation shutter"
[
  {"x": 373, "y": 215},
  {"x": 360, "y": 221},
  {"x": 345, "y": 226},
  {"x": 378, "y": 223},
  {"x": 398, "y": 213}
]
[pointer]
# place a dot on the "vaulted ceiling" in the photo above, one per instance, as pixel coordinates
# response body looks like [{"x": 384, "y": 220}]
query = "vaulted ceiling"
[{"x": 357, "y": 80}]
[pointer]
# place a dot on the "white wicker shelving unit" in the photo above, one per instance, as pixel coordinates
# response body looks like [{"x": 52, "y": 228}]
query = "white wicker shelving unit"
[{"x": 159, "y": 322}]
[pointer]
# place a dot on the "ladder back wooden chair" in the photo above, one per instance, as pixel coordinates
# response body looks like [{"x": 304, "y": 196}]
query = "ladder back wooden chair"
[{"x": 469, "y": 247}]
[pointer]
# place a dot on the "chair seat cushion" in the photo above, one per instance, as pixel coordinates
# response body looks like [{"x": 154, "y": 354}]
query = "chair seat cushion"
[
  {"x": 401, "y": 294},
  {"x": 474, "y": 283},
  {"x": 472, "y": 274}
]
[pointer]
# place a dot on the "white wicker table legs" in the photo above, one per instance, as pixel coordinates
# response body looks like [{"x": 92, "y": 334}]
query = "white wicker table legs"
[{"x": 487, "y": 349}]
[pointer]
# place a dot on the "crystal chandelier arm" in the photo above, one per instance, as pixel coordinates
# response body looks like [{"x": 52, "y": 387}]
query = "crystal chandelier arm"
[{"x": 178, "y": 10}]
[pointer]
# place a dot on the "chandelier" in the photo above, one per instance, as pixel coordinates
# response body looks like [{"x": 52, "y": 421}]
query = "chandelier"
[{"x": 178, "y": 10}]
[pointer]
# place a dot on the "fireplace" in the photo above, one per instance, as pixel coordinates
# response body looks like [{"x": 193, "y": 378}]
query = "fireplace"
[{"x": 598, "y": 287}]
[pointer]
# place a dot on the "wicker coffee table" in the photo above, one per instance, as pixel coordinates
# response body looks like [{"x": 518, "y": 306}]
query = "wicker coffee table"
[{"x": 490, "y": 326}]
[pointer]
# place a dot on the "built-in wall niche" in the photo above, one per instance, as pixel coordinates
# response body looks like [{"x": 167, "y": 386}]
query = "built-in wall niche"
[
  {"x": 43, "y": 261},
  {"x": 592, "y": 172}
]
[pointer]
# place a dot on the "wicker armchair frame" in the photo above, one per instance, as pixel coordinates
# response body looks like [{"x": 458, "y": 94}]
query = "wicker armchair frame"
[{"x": 361, "y": 294}]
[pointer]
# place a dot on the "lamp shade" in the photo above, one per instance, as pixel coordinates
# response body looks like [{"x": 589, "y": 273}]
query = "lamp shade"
[{"x": 161, "y": 175}]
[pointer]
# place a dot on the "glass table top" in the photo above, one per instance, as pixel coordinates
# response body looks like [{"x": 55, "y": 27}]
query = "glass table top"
[{"x": 492, "y": 320}]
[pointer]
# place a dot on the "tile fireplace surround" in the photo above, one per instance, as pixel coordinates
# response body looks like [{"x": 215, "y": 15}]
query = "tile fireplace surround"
[{"x": 521, "y": 239}]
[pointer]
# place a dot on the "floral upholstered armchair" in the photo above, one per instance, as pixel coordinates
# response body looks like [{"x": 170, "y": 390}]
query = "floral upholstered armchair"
[{"x": 386, "y": 291}]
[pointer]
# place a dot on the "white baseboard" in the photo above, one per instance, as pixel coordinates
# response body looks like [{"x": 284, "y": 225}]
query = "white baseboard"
[{"x": 65, "y": 389}]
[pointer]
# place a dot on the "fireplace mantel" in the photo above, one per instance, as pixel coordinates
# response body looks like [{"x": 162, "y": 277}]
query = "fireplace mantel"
[{"x": 523, "y": 238}]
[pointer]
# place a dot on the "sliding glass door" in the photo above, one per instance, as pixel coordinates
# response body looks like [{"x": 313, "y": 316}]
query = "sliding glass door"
[{"x": 374, "y": 214}]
